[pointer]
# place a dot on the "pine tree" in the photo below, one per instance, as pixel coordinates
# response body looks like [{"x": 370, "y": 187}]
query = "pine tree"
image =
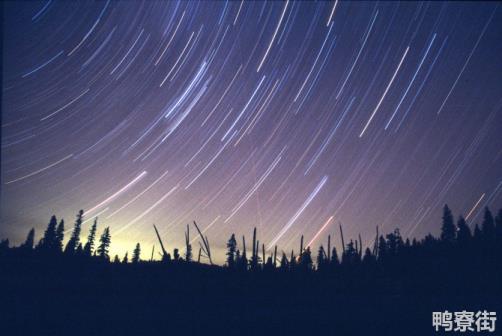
[
  {"x": 125, "y": 260},
  {"x": 382, "y": 248},
  {"x": 321, "y": 258},
  {"x": 136, "y": 253},
  {"x": 284, "y": 262},
  {"x": 448, "y": 227},
  {"x": 488, "y": 225},
  {"x": 49, "y": 242},
  {"x": 369, "y": 258},
  {"x": 334, "y": 257},
  {"x": 89, "y": 246},
  {"x": 498, "y": 224},
  {"x": 292, "y": 261},
  {"x": 477, "y": 232},
  {"x": 243, "y": 260},
  {"x": 79, "y": 251},
  {"x": 104, "y": 245},
  {"x": 30, "y": 239},
  {"x": 306, "y": 259},
  {"x": 116, "y": 260},
  {"x": 4, "y": 244},
  {"x": 176, "y": 254},
  {"x": 463, "y": 231},
  {"x": 231, "y": 247},
  {"x": 60, "y": 236},
  {"x": 75, "y": 236}
]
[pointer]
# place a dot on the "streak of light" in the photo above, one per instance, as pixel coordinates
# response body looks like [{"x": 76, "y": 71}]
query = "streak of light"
[
  {"x": 62, "y": 108},
  {"x": 466, "y": 62},
  {"x": 147, "y": 211},
  {"x": 385, "y": 92},
  {"x": 474, "y": 207},
  {"x": 139, "y": 195},
  {"x": 273, "y": 37},
  {"x": 124, "y": 188},
  {"x": 40, "y": 170},
  {"x": 298, "y": 213},
  {"x": 332, "y": 13},
  {"x": 320, "y": 230}
]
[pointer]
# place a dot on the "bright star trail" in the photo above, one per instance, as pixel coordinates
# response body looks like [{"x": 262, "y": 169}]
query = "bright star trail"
[{"x": 275, "y": 115}]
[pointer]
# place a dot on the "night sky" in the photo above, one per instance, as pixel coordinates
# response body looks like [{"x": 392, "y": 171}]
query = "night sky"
[{"x": 287, "y": 116}]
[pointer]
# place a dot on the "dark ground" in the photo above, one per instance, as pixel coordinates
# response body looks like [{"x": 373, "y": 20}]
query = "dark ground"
[{"x": 89, "y": 297}]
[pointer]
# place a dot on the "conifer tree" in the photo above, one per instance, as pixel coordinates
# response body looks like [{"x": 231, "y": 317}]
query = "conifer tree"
[
  {"x": 488, "y": 225},
  {"x": 463, "y": 231},
  {"x": 89, "y": 245},
  {"x": 231, "y": 248},
  {"x": 75, "y": 235},
  {"x": 306, "y": 259},
  {"x": 60, "y": 236},
  {"x": 382, "y": 248},
  {"x": 369, "y": 258},
  {"x": 125, "y": 260},
  {"x": 104, "y": 245},
  {"x": 334, "y": 257},
  {"x": 477, "y": 232},
  {"x": 30, "y": 239},
  {"x": 498, "y": 224},
  {"x": 49, "y": 242},
  {"x": 284, "y": 262},
  {"x": 116, "y": 260},
  {"x": 136, "y": 254},
  {"x": 448, "y": 227},
  {"x": 321, "y": 258},
  {"x": 79, "y": 251},
  {"x": 176, "y": 254}
]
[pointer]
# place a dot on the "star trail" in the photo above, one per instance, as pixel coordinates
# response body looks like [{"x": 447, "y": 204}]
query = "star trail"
[{"x": 288, "y": 116}]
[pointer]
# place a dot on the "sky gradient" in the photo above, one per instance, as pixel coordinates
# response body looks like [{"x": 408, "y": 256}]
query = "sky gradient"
[{"x": 286, "y": 116}]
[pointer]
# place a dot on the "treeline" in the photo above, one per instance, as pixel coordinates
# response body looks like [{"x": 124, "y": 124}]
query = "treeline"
[{"x": 389, "y": 250}]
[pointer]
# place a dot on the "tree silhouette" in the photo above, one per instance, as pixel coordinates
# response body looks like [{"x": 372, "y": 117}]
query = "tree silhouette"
[
  {"x": 188, "y": 246},
  {"x": 498, "y": 224},
  {"x": 75, "y": 235},
  {"x": 306, "y": 260},
  {"x": 125, "y": 260},
  {"x": 477, "y": 231},
  {"x": 369, "y": 258},
  {"x": 79, "y": 251},
  {"x": 116, "y": 260},
  {"x": 448, "y": 227},
  {"x": 488, "y": 225},
  {"x": 30, "y": 239},
  {"x": 351, "y": 255},
  {"x": 60, "y": 236},
  {"x": 136, "y": 253},
  {"x": 284, "y": 262},
  {"x": 382, "y": 248},
  {"x": 176, "y": 254},
  {"x": 49, "y": 242},
  {"x": 242, "y": 264},
  {"x": 4, "y": 244},
  {"x": 104, "y": 245},
  {"x": 89, "y": 245},
  {"x": 463, "y": 231},
  {"x": 292, "y": 261},
  {"x": 231, "y": 248},
  {"x": 334, "y": 258},
  {"x": 321, "y": 258}
]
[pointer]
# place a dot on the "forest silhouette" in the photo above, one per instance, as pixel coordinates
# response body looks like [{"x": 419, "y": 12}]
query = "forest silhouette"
[{"x": 391, "y": 287}]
